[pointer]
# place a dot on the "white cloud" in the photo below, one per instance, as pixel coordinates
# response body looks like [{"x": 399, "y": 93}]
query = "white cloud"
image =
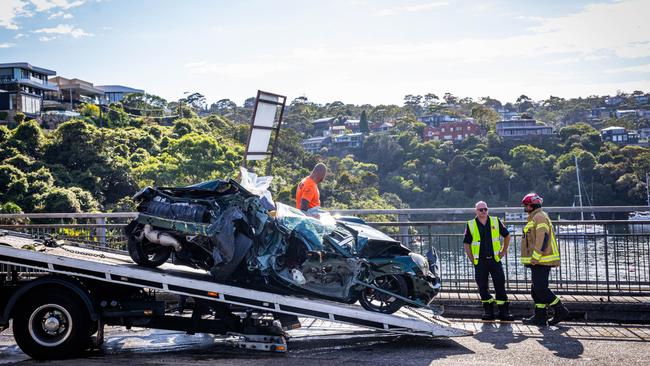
[
  {"x": 60, "y": 14},
  {"x": 630, "y": 69},
  {"x": 65, "y": 29},
  {"x": 6, "y": 45},
  {"x": 20, "y": 35},
  {"x": 411, "y": 8},
  {"x": 46, "y": 39},
  {"x": 502, "y": 67},
  {"x": 9, "y": 10},
  {"x": 12, "y": 9},
  {"x": 43, "y": 5}
]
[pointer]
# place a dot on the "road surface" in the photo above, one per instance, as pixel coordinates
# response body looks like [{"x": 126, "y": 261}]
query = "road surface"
[{"x": 323, "y": 343}]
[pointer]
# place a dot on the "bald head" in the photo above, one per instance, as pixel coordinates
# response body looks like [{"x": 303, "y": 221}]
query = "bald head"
[
  {"x": 481, "y": 209},
  {"x": 319, "y": 172}
]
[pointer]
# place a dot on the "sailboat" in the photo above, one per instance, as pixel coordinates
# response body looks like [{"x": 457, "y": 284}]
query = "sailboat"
[{"x": 581, "y": 228}]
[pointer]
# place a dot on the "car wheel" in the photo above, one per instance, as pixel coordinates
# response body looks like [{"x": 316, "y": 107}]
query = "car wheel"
[
  {"x": 52, "y": 325},
  {"x": 381, "y": 302},
  {"x": 145, "y": 253}
]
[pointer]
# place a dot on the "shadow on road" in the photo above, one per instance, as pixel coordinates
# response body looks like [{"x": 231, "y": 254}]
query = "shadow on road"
[
  {"x": 560, "y": 344},
  {"x": 500, "y": 335}
]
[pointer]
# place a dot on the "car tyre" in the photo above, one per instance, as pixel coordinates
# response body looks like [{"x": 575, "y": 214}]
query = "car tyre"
[
  {"x": 373, "y": 300},
  {"x": 145, "y": 253}
]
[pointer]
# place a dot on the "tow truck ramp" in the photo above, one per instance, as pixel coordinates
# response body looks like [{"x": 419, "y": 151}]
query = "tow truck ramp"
[{"x": 119, "y": 269}]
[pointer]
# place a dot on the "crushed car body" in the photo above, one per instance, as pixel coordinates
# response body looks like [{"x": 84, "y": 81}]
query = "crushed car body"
[{"x": 222, "y": 228}]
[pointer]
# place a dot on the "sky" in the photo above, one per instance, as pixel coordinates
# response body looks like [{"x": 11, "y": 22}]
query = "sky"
[{"x": 354, "y": 51}]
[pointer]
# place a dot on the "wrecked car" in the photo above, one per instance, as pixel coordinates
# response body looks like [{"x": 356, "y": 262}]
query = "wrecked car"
[{"x": 220, "y": 227}]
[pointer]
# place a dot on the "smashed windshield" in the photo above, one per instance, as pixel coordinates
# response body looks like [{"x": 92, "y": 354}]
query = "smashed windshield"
[{"x": 314, "y": 230}]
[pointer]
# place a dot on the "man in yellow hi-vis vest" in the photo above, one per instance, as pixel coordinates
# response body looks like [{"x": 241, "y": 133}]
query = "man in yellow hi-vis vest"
[
  {"x": 540, "y": 253},
  {"x": 484, "y": 250}
]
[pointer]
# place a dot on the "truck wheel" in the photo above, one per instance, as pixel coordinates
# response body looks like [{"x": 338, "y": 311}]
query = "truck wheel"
[
  {"x": 52, "y": 325},
  {"x": 381, "y": 302},
  {"x": 145, "y": 253}
]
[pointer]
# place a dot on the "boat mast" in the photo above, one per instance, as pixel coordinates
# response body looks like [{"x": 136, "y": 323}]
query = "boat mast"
[
  {"x": 647, "y": 189},
  {"x": 582, "y": 214}
]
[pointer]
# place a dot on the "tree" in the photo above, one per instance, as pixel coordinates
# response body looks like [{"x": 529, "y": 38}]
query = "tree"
[
  {"x": 486, "y": 117},
  {"x": 491, "y": 103},
  {"x": 524, "y": 103},
  {"x": 363, "y": 123},
  {"x": 413, "y": 103},
  {"x": 59, "y": 200},
  {"x": 144, "y": 104},
  {"x": 430, "y": 99},
  {"x": 450, "y": 99},
  {"x": 29, "y": 138},
  {"x": 223, "y": 107},
  {"x": 196, "y": 101}
]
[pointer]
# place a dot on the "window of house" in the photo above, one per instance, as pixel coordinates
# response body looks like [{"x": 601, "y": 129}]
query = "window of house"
[{"x": 31, "y": 104}]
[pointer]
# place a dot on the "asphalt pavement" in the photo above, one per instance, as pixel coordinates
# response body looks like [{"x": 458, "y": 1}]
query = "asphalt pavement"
[{"x": 324, "y": 343}]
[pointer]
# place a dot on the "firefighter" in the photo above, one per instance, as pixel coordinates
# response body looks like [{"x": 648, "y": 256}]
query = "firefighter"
[
  {"x": 484, "y": 250},
  {"x": 540, "y": 253}
]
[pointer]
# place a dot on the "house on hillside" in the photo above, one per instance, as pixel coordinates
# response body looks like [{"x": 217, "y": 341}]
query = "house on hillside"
[
  {"x": 315, "y": 144},
  {"x": 23, "y": 87},
  {"x": 323, "y": 124},
  {"x": 599, "y": 113},
  {"x": 616, "y": 100},
  {"x": 75, "y": 91},
  {"x": 507, "y": 115},
  {"x": 115, "y": 93},
  {"x": 381, "y": 127},
  {"x": 522, "y": 128},
  {"x": 642, "y": 99},
  {"x": 644, "y": 133},
  {"x": 452, "y": 131},
  {"x": 353, "y": 125},
  {"x": 625, "y": 113},
  {"x": 348, "y": 141},
  {"x": 644, "y": 113},
  {"x": 619, "y": 135},
  {"x": 435, "y": 119}
]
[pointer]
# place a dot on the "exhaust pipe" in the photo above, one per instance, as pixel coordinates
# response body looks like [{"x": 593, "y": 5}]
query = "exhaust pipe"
[{"x": 160, "y": 237}]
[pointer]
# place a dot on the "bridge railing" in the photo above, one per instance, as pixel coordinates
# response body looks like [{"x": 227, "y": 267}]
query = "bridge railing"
[{"x": 598, "y": 257}]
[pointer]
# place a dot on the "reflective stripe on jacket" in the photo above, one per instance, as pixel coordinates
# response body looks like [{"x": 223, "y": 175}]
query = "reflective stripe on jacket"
[
  {"x": 476, "y": 238},
  {"x": 538, "y": 245}
]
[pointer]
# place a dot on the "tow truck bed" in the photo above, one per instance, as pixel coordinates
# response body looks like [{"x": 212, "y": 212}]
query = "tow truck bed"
[{"x": 118, "y": 269}]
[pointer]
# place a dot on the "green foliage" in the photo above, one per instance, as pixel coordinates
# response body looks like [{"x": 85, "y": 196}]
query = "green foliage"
[
  {"x": 28, "y": 138},
  {"x": 363, "y": 123},
  {"x": 59, "y": 200},
  {"x": 3, "y": 115},
  {"x": 19, "y": 117},
  {"x": 89, "y": 110},
  {"x": 79, "y": 167}
]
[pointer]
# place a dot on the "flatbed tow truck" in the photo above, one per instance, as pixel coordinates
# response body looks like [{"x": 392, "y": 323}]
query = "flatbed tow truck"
[{"x": 60, "y": 296}]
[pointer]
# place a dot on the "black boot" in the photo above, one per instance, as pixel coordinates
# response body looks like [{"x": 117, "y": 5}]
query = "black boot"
[
  {"x": 560, "y": 312},
  {"x": 488, "y": 311},
  {"x": 538, "y": 319},
  {"x": 504, "y": 312}
]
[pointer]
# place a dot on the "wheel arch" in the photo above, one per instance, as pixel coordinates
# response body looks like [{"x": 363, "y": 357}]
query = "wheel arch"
[{"x": 64, "y": 282}]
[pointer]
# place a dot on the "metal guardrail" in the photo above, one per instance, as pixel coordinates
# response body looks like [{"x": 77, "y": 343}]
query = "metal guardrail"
[{"x": 599, "y": 257}]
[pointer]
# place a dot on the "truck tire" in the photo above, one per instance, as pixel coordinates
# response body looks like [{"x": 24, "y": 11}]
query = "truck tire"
[
  {"x": 145, "y": 253},
  {"x": 52, "y": 325}
]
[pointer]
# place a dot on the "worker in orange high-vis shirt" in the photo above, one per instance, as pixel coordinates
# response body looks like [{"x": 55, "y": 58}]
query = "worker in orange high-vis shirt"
[{"x": 307, "y": 194}]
